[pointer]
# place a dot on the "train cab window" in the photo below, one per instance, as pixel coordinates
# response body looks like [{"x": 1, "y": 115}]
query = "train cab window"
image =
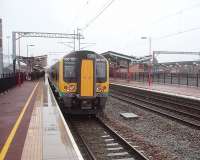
[
  {"x": 100, "y": 71},
  {"x": 70, "y": 70}
]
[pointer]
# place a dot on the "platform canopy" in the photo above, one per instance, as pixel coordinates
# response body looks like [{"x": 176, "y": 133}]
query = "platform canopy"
[
  {"x": 113, "y": 56},
  {"x": 37, "y": 63}
]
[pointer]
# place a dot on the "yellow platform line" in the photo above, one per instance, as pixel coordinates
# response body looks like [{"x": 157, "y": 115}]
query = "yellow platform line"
[{"x": 14, "y": 129}]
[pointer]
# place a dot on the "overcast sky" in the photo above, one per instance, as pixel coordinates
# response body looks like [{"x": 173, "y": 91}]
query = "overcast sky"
[{"x": 119, "y": 28}]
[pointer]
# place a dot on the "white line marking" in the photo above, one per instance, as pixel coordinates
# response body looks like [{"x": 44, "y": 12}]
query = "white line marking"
[
  {"x": 108, "y": 140},
  {"x": 117, "y": 154},
  {"x": 112, "y": 144},
  {"x": 114, "y": 149},
  {"x": 105, "y": 136},
  {"x": 125, "y": 159}
]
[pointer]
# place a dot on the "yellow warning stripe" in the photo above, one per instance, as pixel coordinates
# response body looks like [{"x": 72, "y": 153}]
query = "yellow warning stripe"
[{"x": 14, "y": 129}]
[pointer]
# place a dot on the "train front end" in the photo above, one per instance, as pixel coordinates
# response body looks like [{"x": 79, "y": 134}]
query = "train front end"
[{"x": 85, "y": 83}]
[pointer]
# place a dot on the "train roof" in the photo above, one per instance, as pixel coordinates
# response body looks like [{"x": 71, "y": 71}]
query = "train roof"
[{"x": 83, "y": 54}]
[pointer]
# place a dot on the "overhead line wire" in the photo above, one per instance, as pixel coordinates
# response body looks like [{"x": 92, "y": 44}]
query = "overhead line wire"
[
  {"x": 176, "y": 13},
  {"x": 99, "y": 14},
  {"x": 177, "y": 33}
]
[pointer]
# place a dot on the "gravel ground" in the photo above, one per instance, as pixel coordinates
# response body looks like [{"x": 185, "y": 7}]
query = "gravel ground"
[{"x": 157, "y": 137}]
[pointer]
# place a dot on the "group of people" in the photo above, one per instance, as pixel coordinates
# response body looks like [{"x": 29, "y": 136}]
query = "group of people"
[
  {"x": 34, "y": 75},
  {"x": 22, "y": 76}
]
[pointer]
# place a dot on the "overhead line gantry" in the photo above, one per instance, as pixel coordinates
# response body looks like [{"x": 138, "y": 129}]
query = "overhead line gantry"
[{"x": 18, "y": 35}]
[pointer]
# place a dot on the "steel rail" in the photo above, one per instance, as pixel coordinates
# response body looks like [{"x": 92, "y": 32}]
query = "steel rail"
[
  {"x": 123, "y": 141},
  {"x": 171, "y": 108},
  {"x": 189, "y": 123},
  {"x": 129, "y": 148},
  {"x": 169, "y": 99},
  {"x": 82, "y": 139},
  {"x": 191, "y": 120}
]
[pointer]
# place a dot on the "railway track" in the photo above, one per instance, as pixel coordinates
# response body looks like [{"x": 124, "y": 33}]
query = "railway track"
[
  {"x": 97, "y": 141},
  {"x": 100, "y": 141},
  {"x": 184, "y": 110}
]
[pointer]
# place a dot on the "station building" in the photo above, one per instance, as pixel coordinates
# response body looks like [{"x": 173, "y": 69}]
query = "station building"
[{"x": 121, "y": 63}]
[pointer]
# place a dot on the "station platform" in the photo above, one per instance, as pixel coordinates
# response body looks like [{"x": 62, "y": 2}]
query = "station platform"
[
  {"x": 32, "y": 126},
  {"x": 176, "y": 90}
]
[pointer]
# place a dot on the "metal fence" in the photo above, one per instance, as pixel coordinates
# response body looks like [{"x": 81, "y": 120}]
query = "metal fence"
[
  {"x": 163, "y": 78},
  {"x": 7, "y": 81},
  {"x": 10, "y": 80}
]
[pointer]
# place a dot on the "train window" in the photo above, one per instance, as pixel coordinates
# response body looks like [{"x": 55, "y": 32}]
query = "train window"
[
  {"x": 100, "y": 72},
  {"x": 70, "y": 71}
]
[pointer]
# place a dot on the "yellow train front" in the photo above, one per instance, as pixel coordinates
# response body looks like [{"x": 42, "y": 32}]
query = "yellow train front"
[{"x": 81, "y": 82}]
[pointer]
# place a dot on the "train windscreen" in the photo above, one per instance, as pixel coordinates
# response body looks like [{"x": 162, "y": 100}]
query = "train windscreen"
[
  {"x": 100, "y": 71},
  {"x": 70, "y": 70}
]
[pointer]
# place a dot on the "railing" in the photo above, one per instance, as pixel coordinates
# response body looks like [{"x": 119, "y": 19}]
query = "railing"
[
  {"x": 7, "y": 81},
  {"x": 162, "y": 78},
  {"x": 10, "y": 80}
]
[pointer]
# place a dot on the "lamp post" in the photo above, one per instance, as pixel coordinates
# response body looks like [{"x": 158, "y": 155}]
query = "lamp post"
[
  {"x": 149, "y": 65},
  {"x": 8, "y": 39},
  {"x": 28, "y": 62}
]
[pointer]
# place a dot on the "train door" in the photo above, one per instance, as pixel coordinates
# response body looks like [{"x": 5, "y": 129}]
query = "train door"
[{"x": 87, "y": 78}]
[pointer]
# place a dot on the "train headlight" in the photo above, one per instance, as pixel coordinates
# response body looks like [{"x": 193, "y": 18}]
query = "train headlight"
[
  {"x": 70, "y": 88},
  {"x": 100, "y": 88}
]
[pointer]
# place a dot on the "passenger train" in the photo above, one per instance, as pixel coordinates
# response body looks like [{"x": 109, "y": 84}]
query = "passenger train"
[{"x": 80, "y": 80}]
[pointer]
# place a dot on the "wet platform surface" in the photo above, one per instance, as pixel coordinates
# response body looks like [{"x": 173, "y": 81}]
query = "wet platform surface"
[
  {"x": 11, "y": 105},
  {"x": 42, "y": 131},
  {"x": 178, "y": 90}
]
